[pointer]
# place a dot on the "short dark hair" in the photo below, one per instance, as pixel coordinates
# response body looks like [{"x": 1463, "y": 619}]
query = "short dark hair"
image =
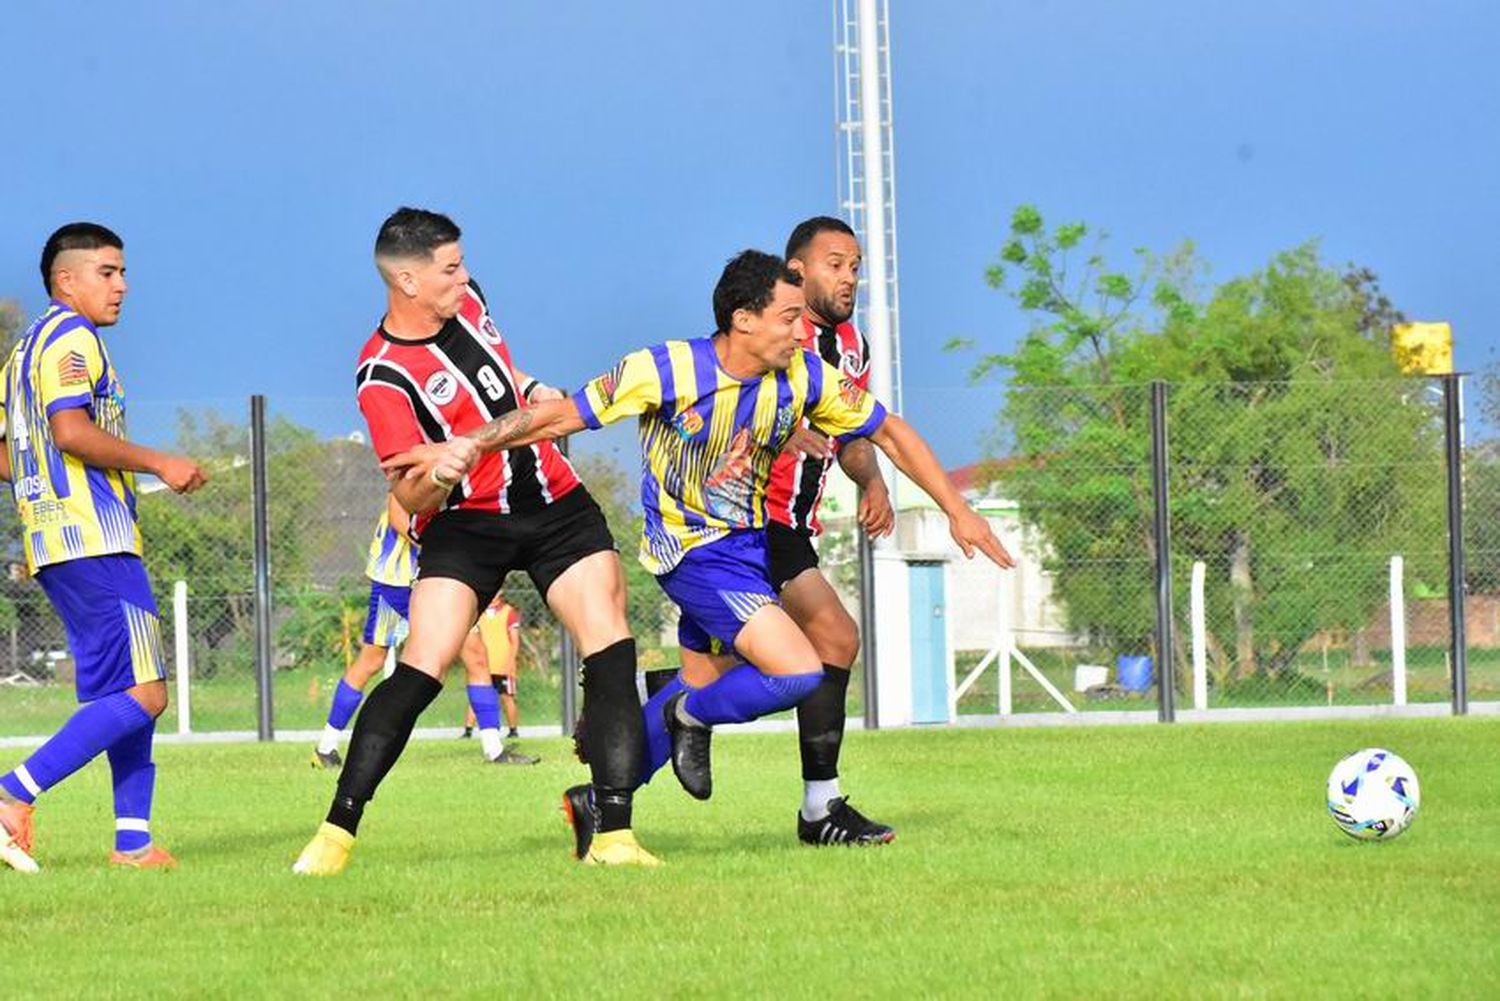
[
  {"x": 748, "y": 282},
  {"x": 797, "y": 243},
  {"x": 412, "y": 232},
  {"x": 75, "y": 236}
]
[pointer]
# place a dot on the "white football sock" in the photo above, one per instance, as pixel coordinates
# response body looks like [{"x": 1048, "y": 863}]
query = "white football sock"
[
  {"x": 490, "y": 743},
  {"x": 815, "y": 796},
  {"x": 330, "y": 739}
]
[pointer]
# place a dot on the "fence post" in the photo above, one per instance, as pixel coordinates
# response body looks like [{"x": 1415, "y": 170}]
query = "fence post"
[
  {"x": 1166, "y": 681},
  {"x": 262, "y": 529},
  {"x": 181, "y": 658},
  {"x": 1453, "y": 431},
  {"x": 867, "y": 628},
  {"x": 1398, "y": 631},
  {"x": 1197, "y": 612}
]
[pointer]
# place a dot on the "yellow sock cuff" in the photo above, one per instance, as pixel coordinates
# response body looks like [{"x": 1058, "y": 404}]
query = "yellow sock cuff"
[{"x": 336, "y": 834}]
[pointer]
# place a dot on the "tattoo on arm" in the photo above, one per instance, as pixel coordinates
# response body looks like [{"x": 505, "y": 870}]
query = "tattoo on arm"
[{"x": 503, "y": 429}]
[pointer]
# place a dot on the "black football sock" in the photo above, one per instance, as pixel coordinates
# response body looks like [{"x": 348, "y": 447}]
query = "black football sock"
[
  {"x": 657, "y": 680},
  {"x": 616, "y": 732},
  {"x": 380, "y": 734},
  {"x": 820, "y": 725}
]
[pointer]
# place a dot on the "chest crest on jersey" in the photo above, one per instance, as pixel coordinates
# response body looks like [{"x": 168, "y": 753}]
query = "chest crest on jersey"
[
  {"x": 785, "y": 418},
  {"x": 441, "y": 387},
  {"x": 688, "y": 424},
  {"x": 852, "y": 364},
  {"x": 489, "y": 331}
]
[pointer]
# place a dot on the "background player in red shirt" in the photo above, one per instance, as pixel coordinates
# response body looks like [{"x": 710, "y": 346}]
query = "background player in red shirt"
[{"x": 435, "y": 368}]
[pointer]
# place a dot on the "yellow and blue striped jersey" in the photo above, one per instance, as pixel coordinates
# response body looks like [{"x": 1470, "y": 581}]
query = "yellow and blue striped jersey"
[
  {"x": 68, "y": 509},
  {"x": 393, "y": 558},
  {"x": 708, "y": 440}
]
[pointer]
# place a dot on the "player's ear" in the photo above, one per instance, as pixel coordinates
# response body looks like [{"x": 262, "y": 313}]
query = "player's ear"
[
  {"x": 795, "y": 265},
  {"x": 741, "y": 320}
]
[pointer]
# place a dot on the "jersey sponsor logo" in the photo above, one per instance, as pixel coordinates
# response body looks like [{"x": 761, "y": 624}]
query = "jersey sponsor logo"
[
  {"x": 730, "y": 488},
  {"x": 688, "y": 423},
  {"x": 73, "y": 369},
  {"x": 489, "y": 331},
  {"x": 850, "y": 393},
  {"x": 441, "y": 387}
]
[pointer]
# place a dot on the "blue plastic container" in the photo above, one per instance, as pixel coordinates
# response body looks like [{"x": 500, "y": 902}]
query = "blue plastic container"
[{"x": 1134, "y": 672}]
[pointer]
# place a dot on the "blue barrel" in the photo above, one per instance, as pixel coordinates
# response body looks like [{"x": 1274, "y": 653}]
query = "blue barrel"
[{"x": 1134, "y": 672}]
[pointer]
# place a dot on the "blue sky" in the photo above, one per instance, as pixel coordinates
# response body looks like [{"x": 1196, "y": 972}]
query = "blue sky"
[{"x": 604, "y": 160}]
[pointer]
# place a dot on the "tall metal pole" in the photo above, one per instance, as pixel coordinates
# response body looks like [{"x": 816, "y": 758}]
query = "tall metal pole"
[
  {"x": 1166, "y": 677},
  {"x": 262, "y": 529},
  {"x": 1453, "y": 447},
  {"x": 877, "y": 318},
  {"x": 867, "y": 628},
  {"x": 877, "y": 315},
  {"x": 568, "y": 653}
]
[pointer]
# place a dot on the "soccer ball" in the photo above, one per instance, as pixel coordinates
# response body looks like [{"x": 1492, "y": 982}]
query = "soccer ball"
[{"x": 1373, "y": 795}]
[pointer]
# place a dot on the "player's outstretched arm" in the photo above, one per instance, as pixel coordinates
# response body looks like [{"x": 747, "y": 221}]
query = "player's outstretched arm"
[
  {"x": 5, "y": 460},
  {"x": 74, "y": 432},
  {"x": 539, "y": 422},
  {"x": 912, "y": 456}
]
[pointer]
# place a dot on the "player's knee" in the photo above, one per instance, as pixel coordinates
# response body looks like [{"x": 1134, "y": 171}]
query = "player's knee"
[{"x": 836, "y": 639}]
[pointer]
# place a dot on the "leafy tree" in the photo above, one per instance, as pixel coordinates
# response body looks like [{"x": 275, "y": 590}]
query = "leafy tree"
[{"x": 1300, "y": 460}]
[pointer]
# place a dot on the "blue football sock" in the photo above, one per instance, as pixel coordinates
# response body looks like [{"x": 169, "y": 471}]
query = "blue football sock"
[
  {"x": 95, "y": 726},
  {"x": 485, "y": 702},
  {"x": 658, "y": 743},
  {"x": 134, "y": 778},
  {"x": 345, "y": 700},
  {"x": 742, "y": 693}
]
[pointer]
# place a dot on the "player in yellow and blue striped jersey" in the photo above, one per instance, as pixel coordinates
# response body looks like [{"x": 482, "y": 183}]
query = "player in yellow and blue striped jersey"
[
  {"x": 73, "y": 475},
  {"x": 391, "y": 567},
  {"x": 714, "y": 413}
]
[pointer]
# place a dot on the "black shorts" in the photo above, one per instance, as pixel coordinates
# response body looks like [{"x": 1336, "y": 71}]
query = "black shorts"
[
  {"x": 791, "y": 553},
  {"x": 481, "y": 547},
  {"x": 504, "y": 684}
]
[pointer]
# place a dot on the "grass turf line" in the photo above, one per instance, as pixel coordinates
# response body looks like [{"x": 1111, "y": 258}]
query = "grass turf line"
[{"x": 1134, "y": 861}]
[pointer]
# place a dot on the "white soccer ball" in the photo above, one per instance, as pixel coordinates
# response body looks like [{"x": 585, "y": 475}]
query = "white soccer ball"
[{"x": 1373, "y": 795}]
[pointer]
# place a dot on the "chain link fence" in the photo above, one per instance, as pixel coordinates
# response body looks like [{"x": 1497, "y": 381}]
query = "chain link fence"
[
  {"x": 1309, "y": 551},
  {"x": 1308, "y": 527}
]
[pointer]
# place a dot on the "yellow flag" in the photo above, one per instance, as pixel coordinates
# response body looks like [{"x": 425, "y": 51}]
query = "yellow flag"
[{"x": 1423, "y": 348}]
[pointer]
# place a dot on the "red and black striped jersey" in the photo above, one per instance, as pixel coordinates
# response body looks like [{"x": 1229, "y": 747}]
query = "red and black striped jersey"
[
  {"x": 797, "y": 481},
  {"x": 429, "y": 390}
]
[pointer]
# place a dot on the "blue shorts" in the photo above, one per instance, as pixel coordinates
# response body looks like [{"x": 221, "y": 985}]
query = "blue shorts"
[
  {"x": 386, "y": 624},
  {"x": 717, "y": 587},
  {"x": 114, "y": 634}
]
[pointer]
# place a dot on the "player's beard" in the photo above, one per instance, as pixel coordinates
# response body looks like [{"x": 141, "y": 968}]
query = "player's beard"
[{"x": 827, "y": 307}]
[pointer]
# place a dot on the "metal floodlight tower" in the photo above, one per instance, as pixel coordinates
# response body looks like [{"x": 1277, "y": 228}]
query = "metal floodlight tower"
[{"x": 866, "y": 170}]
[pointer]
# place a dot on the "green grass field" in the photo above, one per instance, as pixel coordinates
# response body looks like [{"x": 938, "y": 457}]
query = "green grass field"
[{"x": 1139, "y": 861}]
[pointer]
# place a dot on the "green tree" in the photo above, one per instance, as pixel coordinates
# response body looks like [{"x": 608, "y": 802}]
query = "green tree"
[
  {"x": 1300, "y": 459},
  {"x": 207, "y": 538}
]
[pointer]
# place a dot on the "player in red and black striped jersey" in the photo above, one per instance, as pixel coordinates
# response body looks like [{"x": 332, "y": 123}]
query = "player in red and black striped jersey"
[
  {"x": 827, "y": 254},
  {"x": 435, "y": 368}
]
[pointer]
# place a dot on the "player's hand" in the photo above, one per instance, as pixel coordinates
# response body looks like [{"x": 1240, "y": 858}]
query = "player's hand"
[
  {"x": 806, "y": 441},
  {"x": 181, "y": 474},
  {"x": 971, "y": 531},
  {"x": 541, "y": 391},
  {"x": 875, "y": 514},
  {"x": 443, "y": 464}
]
